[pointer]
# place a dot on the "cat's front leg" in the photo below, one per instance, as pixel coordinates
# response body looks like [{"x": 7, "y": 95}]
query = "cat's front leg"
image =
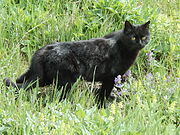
[{"x": 105, "y": 91}]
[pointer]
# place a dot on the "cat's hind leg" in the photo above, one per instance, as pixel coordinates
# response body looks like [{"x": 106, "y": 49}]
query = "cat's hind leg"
[{"x": 67, "y": 82}]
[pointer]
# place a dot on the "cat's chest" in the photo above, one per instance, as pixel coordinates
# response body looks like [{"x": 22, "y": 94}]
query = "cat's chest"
[{"x": 121, "y": 64}]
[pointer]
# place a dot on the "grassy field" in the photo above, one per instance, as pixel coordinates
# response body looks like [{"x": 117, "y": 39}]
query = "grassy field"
[{"x": 149, "y": 101}]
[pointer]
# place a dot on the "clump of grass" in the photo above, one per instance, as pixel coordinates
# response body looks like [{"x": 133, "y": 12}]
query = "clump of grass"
[{"x": 149, "y": 98}]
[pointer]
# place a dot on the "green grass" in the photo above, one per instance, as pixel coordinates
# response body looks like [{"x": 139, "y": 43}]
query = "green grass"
[{"x": 153, "y": 103}]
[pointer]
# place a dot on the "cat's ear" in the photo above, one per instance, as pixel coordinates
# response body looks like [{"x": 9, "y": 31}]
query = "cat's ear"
[
  {"x": 146, "y": 25},
  {"x": 128, "y": 27}
]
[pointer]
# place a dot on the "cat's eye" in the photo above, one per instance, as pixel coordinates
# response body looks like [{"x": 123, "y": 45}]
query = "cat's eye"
[
  {"x": 133, "y": 38},
  {"x": 143, "y": 38}
]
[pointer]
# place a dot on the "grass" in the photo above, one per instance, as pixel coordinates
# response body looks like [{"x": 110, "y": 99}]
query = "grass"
[{"x": 150, "y": 104}]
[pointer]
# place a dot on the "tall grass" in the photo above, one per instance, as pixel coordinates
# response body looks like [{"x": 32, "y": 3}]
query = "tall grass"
[{"x": 150, "y": 99}]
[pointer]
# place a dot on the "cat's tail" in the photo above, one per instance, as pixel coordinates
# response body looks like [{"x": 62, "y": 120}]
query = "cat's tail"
[
  {"x": 27, "y": 84},
  {"x": 9, "y": 83}
]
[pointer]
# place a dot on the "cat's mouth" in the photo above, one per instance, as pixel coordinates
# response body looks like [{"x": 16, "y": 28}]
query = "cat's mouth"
[{"x": 141, "y": 46}]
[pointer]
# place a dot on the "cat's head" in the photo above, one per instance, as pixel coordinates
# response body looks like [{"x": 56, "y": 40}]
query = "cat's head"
[{"x": 136, "y": 36}]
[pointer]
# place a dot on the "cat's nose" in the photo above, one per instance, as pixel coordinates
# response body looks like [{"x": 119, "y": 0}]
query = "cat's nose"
[
  {"x": 140, "y": 42},
  {"x": 141, "y": 45}
]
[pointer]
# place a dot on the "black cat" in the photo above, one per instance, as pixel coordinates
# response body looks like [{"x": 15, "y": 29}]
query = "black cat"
[{"x": 101, "y": 59}]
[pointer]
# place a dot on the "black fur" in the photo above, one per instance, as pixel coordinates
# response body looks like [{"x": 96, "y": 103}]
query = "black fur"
[{"x": 107, "y": 57}]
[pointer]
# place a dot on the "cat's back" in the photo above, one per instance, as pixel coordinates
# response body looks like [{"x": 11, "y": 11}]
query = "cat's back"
[
  {"x": 83, "y": 47},
  {"x": 96, "y": 48},
  {"x": 94, "y": 42},
  {"x": 93, "y": 46}
]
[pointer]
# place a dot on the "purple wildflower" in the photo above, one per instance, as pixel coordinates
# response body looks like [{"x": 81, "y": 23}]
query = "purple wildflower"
[
  {"x": 123, "y": 92},
  {"x": 150, "y": 57},
  {"x": 168, "y": 78},
  {"x": 149, "y": 76},
  {"x": 117, "y": 81},
  {"x": 119, "y": 93},
  {"x": 127, "y": 74},
  {"x": 119, "y": 85}
]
